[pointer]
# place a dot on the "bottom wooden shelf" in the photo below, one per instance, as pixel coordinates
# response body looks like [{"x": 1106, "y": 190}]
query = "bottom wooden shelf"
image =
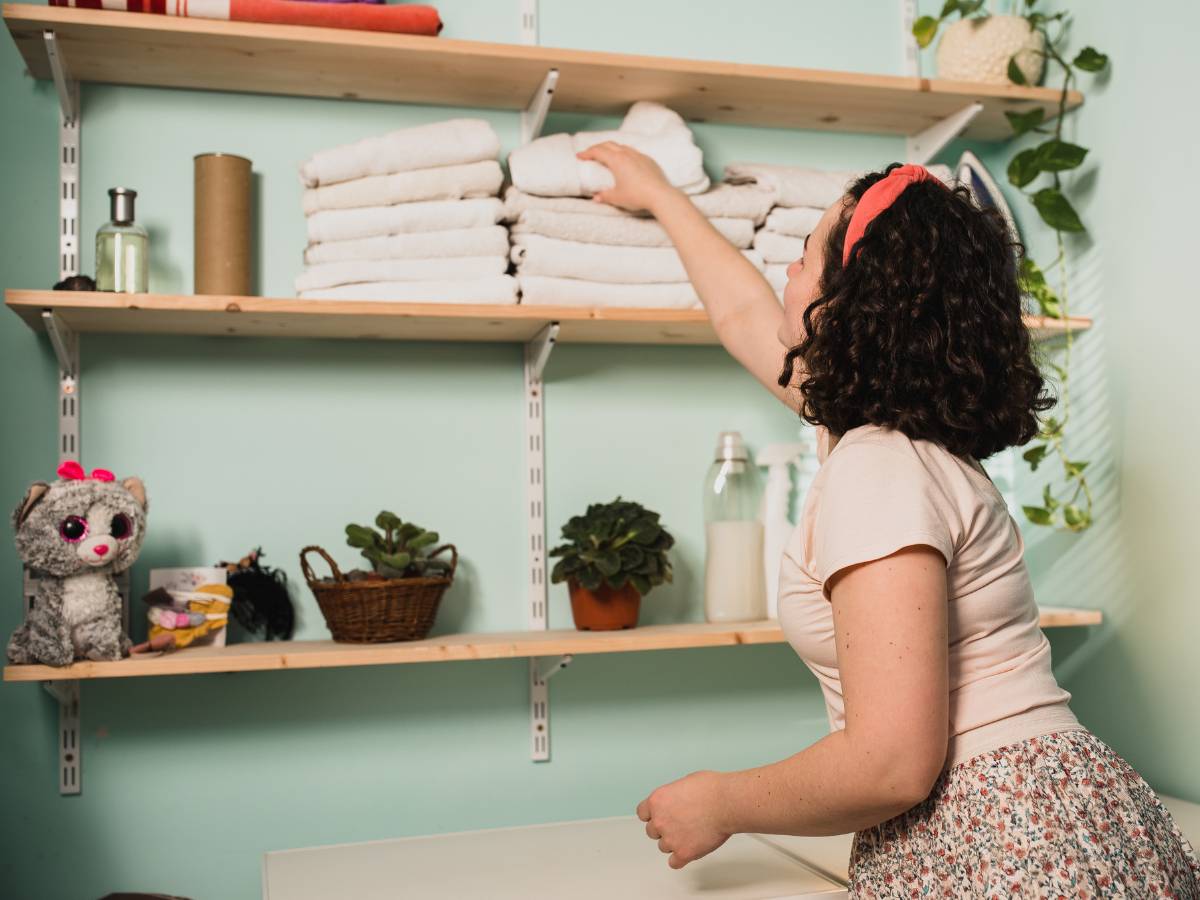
[{"x": 261, "y": 657}]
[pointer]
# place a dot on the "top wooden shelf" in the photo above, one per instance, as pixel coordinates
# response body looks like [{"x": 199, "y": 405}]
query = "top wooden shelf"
[{"x": 163, "y": 51}]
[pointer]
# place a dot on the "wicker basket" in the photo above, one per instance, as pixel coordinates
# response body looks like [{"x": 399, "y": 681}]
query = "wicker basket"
[{"x": 363, "y": 612}]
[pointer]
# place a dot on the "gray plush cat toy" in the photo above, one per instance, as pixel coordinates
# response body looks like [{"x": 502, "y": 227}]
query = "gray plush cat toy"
[{"x": 75, "y": 534}]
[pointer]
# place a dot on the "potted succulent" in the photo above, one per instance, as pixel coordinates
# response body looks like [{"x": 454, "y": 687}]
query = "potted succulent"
[
  {"x": 615, "y": 554},
  {"x": 395, "y": 548}
]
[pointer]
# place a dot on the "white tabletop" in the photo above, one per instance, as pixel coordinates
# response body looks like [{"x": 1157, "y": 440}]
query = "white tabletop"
[{"x": 597, "y": 859}]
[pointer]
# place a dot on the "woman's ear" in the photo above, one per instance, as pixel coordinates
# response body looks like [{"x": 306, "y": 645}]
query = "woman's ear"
[
  {"x": 134, "y": 486},
  {"x": 33, "y": 496}
]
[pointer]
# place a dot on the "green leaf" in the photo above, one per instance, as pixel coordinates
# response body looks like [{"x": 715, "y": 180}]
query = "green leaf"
[
  {"x": 1027, "y": 121},
  {"x": 424, "y": 539},
  {"x": 1034, "y": 456},
  {"x": 1056, "y": 211},
  {"x": 591, "y": 579},
  {"x": 1052, "y": 429},
  {"x": 641, "y": 584},
  {"x": 1015, "y": 75},
  {"x": 969, "y": 7},
  {"x": 609, "y": 563},
  {"x": 1048, "y": 499},
  {"x": 1059, "y": 156},
  {"x": 948, "y": 8},
  {"x": 1076, "y": 518},
  {"x": 386, "y": 520},
  {"x": 1090, "y": 60},
  {"x": 1074, "y": 468},
  {"x": 1033, "y": 284},
  {"x": 1023, "y": 168},
  {"x": 360, "y": 536},
  {"x": 1037, "y": 515},
  {"x": 397, "y": 561},
  {"x": 925, "y": 29}
]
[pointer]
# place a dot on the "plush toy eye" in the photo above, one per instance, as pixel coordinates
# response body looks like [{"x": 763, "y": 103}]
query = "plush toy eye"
[
  {"x": 73, "y": 529},
  {"x": 121, "y": 526}
]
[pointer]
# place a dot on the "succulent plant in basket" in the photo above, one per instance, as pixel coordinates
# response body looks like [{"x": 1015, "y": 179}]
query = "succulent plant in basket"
[
  {"x": 397, "y": 549},
  {"x": 615, "y": 554}
]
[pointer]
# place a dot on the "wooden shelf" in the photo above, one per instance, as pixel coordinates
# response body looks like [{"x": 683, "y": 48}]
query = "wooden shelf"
[
  {"x": 106, "y": 313},
  {"x": 259, "y": 657},
  {"x": 163, "y": 51}
]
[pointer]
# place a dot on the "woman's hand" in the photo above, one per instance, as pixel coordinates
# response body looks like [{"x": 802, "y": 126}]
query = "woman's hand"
[
  {"x": 640, "y": 183},
  {"x": 684, "y": 817}
]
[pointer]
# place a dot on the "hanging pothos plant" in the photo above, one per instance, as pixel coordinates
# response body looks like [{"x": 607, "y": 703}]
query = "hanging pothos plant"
[{"x": 1070, "y": 508}]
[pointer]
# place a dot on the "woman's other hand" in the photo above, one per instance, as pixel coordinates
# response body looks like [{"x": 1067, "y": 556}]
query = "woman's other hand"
[
  {"x": 684, "y": 817},
  {"x": 640, "y": 183}
]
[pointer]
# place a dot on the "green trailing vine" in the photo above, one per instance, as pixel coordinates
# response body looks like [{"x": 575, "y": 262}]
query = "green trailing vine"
[{"x": 1070, "y": 507}]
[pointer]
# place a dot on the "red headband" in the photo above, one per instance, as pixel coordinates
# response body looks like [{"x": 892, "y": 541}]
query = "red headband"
[{"x": 879, "y": 197}]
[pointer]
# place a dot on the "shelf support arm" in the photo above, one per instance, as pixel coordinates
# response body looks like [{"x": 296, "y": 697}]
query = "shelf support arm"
[
  {"x": 68, "y": 90},
  {"x": 555, "y": 667},
  {"x": 533, "y": 117},
  {"x": 923, "y": 146}
]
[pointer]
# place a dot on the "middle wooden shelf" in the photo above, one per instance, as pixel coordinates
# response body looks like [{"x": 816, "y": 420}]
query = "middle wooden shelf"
[{"x": 264, "y": 656}]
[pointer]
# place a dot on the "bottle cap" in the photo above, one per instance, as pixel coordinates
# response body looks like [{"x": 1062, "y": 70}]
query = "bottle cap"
[
  {"x": 120, "y": 202},
  {"x": 731, "y": 446}
]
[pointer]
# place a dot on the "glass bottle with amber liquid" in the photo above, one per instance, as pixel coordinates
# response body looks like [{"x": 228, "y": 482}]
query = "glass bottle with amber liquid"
[{"x": 122, "y": 248}]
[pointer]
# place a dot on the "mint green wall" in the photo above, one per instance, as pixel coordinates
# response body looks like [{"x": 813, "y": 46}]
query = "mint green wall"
[{"x": 246, "y": 442}]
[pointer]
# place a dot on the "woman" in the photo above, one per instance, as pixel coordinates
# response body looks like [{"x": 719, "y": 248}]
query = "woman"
[{"x": 953, "y": 753}]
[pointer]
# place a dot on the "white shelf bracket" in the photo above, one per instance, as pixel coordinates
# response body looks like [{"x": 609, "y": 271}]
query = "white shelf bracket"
[
  {"x": 68, "y": 90},
  {"x": 537, "y": 352},
  {"x": 533, "y": 117},
  {"x": 69, "y": 748},
  {"x": 923, "y": 146},
  {"x": 555, "y": 667}
]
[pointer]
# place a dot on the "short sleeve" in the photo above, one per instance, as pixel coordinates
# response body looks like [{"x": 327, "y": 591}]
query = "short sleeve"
[{"x": 875, "y": 501}]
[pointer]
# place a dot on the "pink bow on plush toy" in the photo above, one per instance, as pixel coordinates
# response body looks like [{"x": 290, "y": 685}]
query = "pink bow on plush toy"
[{"x": 73, "y": 471}]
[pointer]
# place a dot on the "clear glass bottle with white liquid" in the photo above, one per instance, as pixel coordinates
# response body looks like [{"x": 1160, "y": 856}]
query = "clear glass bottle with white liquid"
[{"x": 734, "y": 584}]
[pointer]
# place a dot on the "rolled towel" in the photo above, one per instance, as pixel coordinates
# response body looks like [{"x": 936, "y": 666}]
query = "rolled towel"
[
  {"x": 490, "y": 241},
  {"x": 500, "y": 289},
  {"x": 549, "y": 167},
  {"x": 793, "y": 185},
  {"x": 479, "y": 179},
  {"x": 335, "y": 274},
  {"x": 437, "y": 144},
  {"x": 538, "y": 290},
  {"x": 403, "y": 218},
  {"x": 623, "y": 230},
  {"x": 796, "y": 221},
  {"x": 537, "y": 255},
  {"x": 777, "y": 275},
  {"x": 778, "y": 248},
  {"x": 722, "y": 201}
]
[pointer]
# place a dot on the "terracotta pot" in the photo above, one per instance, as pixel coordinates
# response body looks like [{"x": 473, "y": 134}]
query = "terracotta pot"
[
  {"x": 604, "y": 609},
  {"x": 979, "y": 50}
]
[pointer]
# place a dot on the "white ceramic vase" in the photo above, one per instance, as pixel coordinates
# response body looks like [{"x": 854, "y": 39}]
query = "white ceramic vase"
[{"x": 979, "y": 50}]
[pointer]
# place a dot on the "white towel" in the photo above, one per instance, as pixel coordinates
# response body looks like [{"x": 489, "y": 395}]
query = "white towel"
[
  {"x": 722, "y": 201},
  {"x": 623, "y": 230},
  {"x": 541, "y": 291},
  {"x": 548, "y": 166},
  {"x": 450, "y": 268},
  {"x": 778, "y": 248},
  {"x": 777, "y": 275},
  {"x": 403, "y": 218},
  {"x": 490, "y": 241},
  {"x": 500, "y": 289},
  {"x": 797, "y": 221},
  {"x": 447, "y": 143},
  {"x": 537, "y": 255},
  {"x": 478, "y": 179},
  {"x": 793, "y": 185}
]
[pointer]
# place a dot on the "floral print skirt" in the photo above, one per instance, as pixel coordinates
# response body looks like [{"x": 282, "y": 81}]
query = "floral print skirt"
[{"x": 1056, "y": 816}]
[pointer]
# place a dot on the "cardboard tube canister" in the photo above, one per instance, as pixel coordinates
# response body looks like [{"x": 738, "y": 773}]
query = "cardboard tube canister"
[{"x": 223, "y": 245}]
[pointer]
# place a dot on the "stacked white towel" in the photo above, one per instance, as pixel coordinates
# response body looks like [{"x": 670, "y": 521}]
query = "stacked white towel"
[
  {"x": 801, "y": 197},
  {"x": 575, "y": 252},
  {"x": 413, "y": 215}
]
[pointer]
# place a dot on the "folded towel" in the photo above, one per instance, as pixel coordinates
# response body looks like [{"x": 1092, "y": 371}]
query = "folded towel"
[
  {"x": 537, "y": 255},
  {"x": 501, "y": 289},
  {"x": 403, "y": 218},
  {"x": 478, "y": 179},
  {"x": 537, "y": 290},
  {"x": 451, "y": 268},
  {"x": 622, "y": 230},
  {"x": 793, "y": 185},
  {"x": 724, "y": 201},
  {"x": 548, "y": 166},
  {"x": 797, "y": 221},
  {"x": 776, "y": 275},
  {"x": 450, "y": 143},
  {"x": 401, "y": 19},
  {"x": 778, "y": 248},
  {"x": 490, "y": 241}
]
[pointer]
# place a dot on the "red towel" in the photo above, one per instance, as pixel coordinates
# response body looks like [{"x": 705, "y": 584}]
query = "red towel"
[{"x": 398, "y": 18}]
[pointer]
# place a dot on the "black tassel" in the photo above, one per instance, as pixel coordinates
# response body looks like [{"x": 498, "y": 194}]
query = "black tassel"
[{"x": 261, "y": 603}]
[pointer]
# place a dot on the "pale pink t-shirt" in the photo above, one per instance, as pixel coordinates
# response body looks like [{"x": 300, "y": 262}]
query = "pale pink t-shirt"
[{"x": 876, "y": 492}]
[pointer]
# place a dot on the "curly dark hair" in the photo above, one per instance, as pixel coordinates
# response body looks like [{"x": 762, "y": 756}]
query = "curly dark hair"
[{"x": 922, "y": 330}]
